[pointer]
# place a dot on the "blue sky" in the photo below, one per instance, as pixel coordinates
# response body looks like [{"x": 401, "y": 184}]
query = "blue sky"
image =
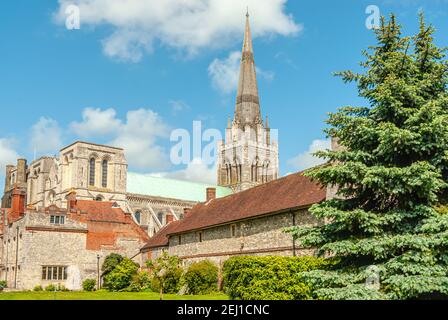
[{"x": 160, "y": 65}]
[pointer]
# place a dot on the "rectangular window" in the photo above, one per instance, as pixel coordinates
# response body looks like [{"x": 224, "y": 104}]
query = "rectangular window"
[
  {"x": 179, "y": 239},
  {"x": 233, "y": 230},
  {"x": 200, "y": 236},
  {"x": 54, "y": 273},
  {"x": 57, "y": 219}
]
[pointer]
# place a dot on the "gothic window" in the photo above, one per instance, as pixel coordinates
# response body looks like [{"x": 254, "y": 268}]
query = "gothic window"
[
  {"x": 138, "y": 216},
  {"x": 160, "y": 217},
  {"x": 104, "y": 177},
  {"x": 92, "y": 172}
]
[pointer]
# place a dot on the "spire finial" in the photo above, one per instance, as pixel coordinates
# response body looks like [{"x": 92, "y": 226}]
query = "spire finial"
[{"x": 247, "y": 11}]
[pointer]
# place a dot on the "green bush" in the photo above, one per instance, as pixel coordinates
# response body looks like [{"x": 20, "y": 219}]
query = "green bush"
[
  {"x": 89, "y": 285},
  {"x": 140, "y": 282},
  {"x": 38, "y": 288},
  {"x": 172, "y": 281},
  {"x": 50, "y": 287},
  {"x": 110, "y": 262},
  {"x": 269, "y": 278},
  {"x": 120, "y": 277},
  {"x": 3, "y": 285},
  {"x": 202, "y": 278}
]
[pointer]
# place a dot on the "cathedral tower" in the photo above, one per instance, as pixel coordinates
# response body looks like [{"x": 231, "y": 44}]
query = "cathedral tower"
[{"x": 247, "y": 157}]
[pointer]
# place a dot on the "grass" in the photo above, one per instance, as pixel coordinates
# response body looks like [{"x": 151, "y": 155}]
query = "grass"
[{"x": 101, "y": 295}]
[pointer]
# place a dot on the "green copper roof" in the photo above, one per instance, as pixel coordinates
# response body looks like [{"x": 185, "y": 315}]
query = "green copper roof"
[{"x": 169, "y": 188}]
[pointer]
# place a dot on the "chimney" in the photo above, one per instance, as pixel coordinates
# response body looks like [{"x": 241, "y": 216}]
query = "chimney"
[
  {"x": 169, "y": 218},
  {"x": 211, "y": 194},
  {"x": 71, "y": 201},
  {"x": 187, "y": 211},
  {"x": 18, "y": 205}
]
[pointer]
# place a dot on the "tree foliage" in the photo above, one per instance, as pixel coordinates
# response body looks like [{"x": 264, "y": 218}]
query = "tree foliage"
[
  {"x": 392, "y": 171},
  {"x": 166, "y": 272},
  {"x": 120, "y": 278}
]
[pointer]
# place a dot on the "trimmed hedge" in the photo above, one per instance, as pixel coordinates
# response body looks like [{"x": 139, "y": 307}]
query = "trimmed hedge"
[
  {"x": 89, "y": 285},
  {"x": 202, "y": 278},
  {"x": 269, "y": 278}
]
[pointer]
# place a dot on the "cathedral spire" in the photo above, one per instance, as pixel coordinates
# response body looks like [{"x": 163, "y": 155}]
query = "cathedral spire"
[{"x": 247, "y": 110}]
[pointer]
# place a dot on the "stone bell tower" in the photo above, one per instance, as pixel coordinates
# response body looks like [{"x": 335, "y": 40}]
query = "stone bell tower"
[{"x": 247, "y": 157}]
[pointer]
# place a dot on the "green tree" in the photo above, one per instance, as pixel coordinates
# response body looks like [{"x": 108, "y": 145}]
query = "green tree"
[
  {"x": 166, "y": 272},
  {"x": 202, "y": 278},
  {"x": 120, "y": 278},
  {"x": 391, "y": 172},
  {"x": 111, "y": 261}
]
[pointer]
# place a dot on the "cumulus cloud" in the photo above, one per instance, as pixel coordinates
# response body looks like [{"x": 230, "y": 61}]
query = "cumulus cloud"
[
  {"x": 46, "y": 135},
  {"x": 224, "y": 73},
  {"x": 7, "y": 154},
  {"x": 189, "y": 26},
  {"x": 96, "y": 122},
  {"x": 306, "y": 159},
  {"x": 195, "y": 171},
  {"x": 139, "y": 137}
]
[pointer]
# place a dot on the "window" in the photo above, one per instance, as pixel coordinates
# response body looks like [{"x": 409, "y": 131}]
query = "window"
[
  {"x": 200, "y": 236},
  {"x": 92, "y": 173},
  {"x": 104, "y": 179},
  {"x": 54, "y": 273},
  {"x": 57, "y": 219},
  {"x": 160, "y": 217},
  {"x": 179, "y": 240},
  {"x": 233, "y": 230},
  {"x": 138, "y": 216}
]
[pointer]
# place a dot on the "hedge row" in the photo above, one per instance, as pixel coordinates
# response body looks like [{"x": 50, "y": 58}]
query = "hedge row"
[{"x": 269, "y": 278}]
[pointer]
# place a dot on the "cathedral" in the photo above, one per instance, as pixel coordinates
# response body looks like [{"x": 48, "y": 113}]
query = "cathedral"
[
  {"x": 247, "y": 157},
  {"x": 60, "y": 216}
]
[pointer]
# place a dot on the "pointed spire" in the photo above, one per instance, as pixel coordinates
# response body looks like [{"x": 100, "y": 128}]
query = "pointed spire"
[
  {"x": 247, "y": 110},
  {"x": 267, "y": 122}
]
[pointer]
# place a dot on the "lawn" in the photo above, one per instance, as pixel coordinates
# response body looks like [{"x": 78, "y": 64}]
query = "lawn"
[{"x": 102, "y": 295}]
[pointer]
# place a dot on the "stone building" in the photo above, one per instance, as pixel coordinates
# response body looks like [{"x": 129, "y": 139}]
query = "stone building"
[
  {"x": 100, "y": 173},
  {"x": 250, "y": 222},
  {"x": 65, "y": 246},
  {"x": 247, "y": 157}
]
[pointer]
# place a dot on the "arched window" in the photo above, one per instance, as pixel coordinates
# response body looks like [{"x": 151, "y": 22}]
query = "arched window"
[
  {"x": 160, "y": 217},
  {"x": 99, "y": 198},
  {"x": 92, "y": 172},
  {"x": 104, "y": 177},
  {"x": 138, "y": 216}
]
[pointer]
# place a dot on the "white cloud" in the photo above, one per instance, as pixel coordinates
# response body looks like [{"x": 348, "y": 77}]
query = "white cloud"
[
  {"x": 187, "y": 25},
  {"x": 46, "y": 136},
  {"x": 224, "y": 73},
  {"x": 96, "y": 122},
  {"x": 139, "y": 137},
  {"x": 306, "y": 159},
  {"x": 7, "y": 155},
  {"x": 178, "y": 106},
  {"x": 196, "y": 171}
]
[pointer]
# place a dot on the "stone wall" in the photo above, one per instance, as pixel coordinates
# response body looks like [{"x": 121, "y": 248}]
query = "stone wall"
[{"x": 259, "y": 236}]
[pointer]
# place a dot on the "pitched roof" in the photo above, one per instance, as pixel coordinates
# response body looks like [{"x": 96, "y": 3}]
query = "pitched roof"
[
  {"x": 160, "y": 239},
  {"x": 169, "y": 188},
  {"x": 291, "y": 192},
  {"x": 101, "y": 211}
]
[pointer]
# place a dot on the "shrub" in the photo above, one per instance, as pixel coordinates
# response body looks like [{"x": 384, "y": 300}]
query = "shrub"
[
  {"x": 269, "y": 278},
  {"x": 50, "y": 287},
  {"x": 38, "y": 288},
  {"x": 120, "y": 278},
  {"x": 89, "y": 285},
  {"x": 166, "y": 274},
  {"x": 202, "y": 278},
  {"x": 3, "y": 285},
  {"x": 111, "y": 262},
  {"x": 140, "y": 282}
]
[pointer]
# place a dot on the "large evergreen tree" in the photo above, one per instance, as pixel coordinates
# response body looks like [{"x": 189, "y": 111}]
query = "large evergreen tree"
[{"x": 392, "y": 175}]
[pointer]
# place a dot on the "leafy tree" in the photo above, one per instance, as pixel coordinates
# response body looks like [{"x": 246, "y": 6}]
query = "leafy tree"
[
  {"x": 121, "y": 277},
  {"x": 166, "y": 272},
  {"x": 111, "y": 261},
  {"x": 391, "y": 172}
]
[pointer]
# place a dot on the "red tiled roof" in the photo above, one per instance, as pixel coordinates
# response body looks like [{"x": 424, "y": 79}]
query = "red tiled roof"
[
  {"x": 290, "y": 192},
  {"x": 160, "y": 239},
  {"x": 101, "y": 211}
]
